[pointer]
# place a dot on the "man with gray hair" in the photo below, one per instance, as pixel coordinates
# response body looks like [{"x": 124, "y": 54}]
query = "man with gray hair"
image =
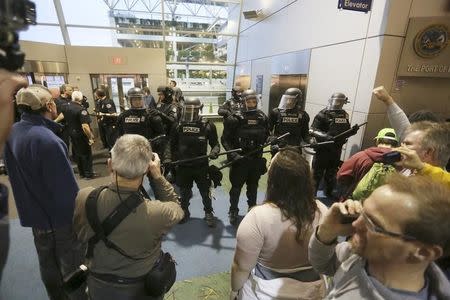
[{"x": 121, "y": 274}]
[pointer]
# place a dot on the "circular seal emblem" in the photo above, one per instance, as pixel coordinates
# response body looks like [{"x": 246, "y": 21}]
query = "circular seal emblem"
[
  {"x": 431, "y": 41},
  {"x": 84, "y": 113},
  {"x": 108, "y": 105}
]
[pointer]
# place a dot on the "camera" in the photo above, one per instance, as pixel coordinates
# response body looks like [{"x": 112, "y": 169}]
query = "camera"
[
  {"x": 15, "y": 15},
  {"x": 392, "y": 157}
]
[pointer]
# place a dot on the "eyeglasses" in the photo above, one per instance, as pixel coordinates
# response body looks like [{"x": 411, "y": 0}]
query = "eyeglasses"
[{"x": 375, "y": 228}]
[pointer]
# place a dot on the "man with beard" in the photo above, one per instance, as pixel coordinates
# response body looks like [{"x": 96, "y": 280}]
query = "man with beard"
[{"x": 398, "y": 235}]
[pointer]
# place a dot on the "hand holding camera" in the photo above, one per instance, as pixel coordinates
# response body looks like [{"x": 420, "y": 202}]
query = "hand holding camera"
[
  {"x": 410, "y": 159},
  {"x": 338, "y": 221},
  {"x": 154, "y": 167}
]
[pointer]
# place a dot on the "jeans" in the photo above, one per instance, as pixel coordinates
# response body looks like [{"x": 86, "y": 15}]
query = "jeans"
[{"x": 58, "y": 252}]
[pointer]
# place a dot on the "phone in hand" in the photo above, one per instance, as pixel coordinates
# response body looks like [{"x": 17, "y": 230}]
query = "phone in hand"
[
  {"x": 392, "y": 157},
  {"x": 348, "y": 219}
]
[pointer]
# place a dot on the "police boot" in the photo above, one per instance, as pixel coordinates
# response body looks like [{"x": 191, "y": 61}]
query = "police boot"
[
  {"x": 233, "y": 217},
  {"x": 210, "y": 219},
  {"x": 186, "y": 217}
]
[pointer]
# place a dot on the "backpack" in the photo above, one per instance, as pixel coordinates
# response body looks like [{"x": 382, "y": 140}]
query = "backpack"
[{"x": 376, "y": 177}]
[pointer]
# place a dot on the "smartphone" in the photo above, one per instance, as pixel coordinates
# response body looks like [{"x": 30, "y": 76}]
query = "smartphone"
[
  {"x": 348, "y": 219},
  {"x": 391, "y": 157}
]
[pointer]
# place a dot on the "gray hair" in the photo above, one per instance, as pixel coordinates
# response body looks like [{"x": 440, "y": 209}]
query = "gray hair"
[
  {"x": 77, "y": 96},
  {"x": 131, "y": 155},
  {"x": 436, "y": 137}
]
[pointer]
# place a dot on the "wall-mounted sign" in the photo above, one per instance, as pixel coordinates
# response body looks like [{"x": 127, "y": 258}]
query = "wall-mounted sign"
[
  {"x": 259, "y": 84},
  {"x": 425, "y": 52},
  {"x": 358, "y": 5}
]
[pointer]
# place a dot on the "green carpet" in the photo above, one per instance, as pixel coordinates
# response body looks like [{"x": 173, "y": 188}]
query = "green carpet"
[{"x": 212, "y": 287}]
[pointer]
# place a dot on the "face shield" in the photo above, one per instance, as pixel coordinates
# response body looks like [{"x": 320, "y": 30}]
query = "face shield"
[
  {"x": 191, "y": 113},
  {"x": 337, "y": 103},
  {"x": 251, "y": 103},
  {"x": 287, "y": 102},
  {"x": 136, "y": 102}
]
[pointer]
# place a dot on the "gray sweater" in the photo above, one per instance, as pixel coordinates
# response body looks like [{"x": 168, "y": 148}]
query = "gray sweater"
[{"x": 351, "y": 280}]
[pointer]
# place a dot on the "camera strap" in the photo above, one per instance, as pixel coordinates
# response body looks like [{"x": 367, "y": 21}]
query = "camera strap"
[{"x": 103, "y": 229}]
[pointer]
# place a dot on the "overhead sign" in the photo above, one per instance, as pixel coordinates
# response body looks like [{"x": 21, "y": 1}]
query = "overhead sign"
[
  {"x": 426, "y": 52},
  {"x": 358, "y": 5}
]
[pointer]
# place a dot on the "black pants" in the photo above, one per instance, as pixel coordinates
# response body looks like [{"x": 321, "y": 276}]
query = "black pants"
[
  {"x": 58, "y": 252},
  {"x": 65, "y": 136},
  {"x": 246, "y": 170},
  {"x": 101, "y": 132},
  {"x": 83, "y": 154},
  {"x": 185, "y": 177},
  {"x": 110, "y": 134},
  {"x": 325, "y": 164}
]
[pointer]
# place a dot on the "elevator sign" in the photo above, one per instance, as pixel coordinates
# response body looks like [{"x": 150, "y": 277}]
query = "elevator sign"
[{"x": 358, "y": 5}]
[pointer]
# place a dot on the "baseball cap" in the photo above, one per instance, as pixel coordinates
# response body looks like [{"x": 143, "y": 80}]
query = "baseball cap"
[
  {"x": 35, "y": 96},
  {"x": 387, "y": 133}
]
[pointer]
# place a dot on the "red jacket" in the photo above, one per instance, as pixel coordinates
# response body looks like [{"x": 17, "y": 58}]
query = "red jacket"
[{"x": 354, "y": 169}]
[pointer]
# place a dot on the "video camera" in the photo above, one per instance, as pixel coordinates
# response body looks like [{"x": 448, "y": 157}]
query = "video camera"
[{"x": 15, "y": 15}]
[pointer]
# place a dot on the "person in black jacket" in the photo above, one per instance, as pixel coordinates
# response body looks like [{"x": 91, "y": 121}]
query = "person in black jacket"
[
  {"x": 189, "y": 139},
  {"x": 247, "y": 129},
  {"x": 108, "y": 117}
]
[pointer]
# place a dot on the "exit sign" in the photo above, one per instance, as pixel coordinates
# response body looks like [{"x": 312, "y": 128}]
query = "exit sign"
[{"x": 118, "y": 60}]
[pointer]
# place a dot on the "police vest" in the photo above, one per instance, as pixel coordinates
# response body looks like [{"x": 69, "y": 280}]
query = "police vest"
[
  {"x": 337, "y": 121},
  {"x": 192, "y": 139},
  {"x": 135, "y": 121},
  {"x": 252, "y": 130},
  {"x": 290, "y": 121}
]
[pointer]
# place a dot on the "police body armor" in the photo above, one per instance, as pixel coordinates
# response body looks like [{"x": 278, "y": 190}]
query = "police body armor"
[
  {"x": 290, "y": 121},
  {"x": 251, "y": 132},
  {"x": 105, "y": 107},
  {"x": 234, "y": 105},
  {"x": 336, "y": 122},
  {"x": 135, "y": 121},
  {"x": 192, "y": 141}
]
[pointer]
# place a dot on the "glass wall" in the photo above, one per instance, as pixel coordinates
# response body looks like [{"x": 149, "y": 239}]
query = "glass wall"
[{"x": 194, "y": 33}]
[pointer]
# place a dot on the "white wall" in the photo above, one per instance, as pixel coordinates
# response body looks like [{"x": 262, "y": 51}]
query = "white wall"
[{"x": 350, "y": 52}]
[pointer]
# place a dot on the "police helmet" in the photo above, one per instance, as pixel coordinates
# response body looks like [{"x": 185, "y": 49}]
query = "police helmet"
[
  {"x": 337, "y": 101},
  {"x": 250, "y": 95},
  {"x": 236, "y": 92},
  {"x": 291, "y": 98},
  {"x": 191, "y": 109},
  {"x": 167, "y": 92},
  {"x": 135, "y": 94}
]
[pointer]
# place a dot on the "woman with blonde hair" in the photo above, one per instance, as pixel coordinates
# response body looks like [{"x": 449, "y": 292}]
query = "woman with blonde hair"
[{"x": 271, "y": 256}]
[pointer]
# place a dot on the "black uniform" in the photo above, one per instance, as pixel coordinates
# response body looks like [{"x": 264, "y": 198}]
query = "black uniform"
[
  {"x": 327, "y": 124},
  {"x": 229, "y": 107},
  {"x": 295, "y": 121},
  {"x": 108, "y": 122},
  {"x": 61, "y": 106},
  {"x": 189, "y": 140},
  {"x": 246, "y": 130},
  {"x": 101, "y": 130},
  {"x": 149, "y": 125},
  {"x": 169, "y": 115},
  {"x": 76, "y": 115}
]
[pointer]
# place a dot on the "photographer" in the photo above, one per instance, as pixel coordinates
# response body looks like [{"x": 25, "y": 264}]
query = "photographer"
[
  {"x": 403, "y": 228},
  {"x": 119, "y": 271}
]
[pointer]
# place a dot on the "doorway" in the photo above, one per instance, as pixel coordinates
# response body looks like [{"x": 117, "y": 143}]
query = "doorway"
[
  {"x": 280, "y": 83},
  {"x": 117, "y": 86}
]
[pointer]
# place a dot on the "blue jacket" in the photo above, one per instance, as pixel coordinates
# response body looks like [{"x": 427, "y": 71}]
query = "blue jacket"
[{"x": 41, "y": 176}]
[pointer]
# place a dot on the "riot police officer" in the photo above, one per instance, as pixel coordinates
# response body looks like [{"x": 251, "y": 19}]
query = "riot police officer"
[
  {"x": 290, "y": 117},
  {"x": 78, "y": 120},
  {"x": 167, "y": 111},
  {"x": 108, "y": 117},
  {"x": 189, "y": 139},
  {"x": 231, "y": 105},
  {"x": 138, "y": 120},
  {"x": 247, "y": 129},
  {"x": 328, "y": 123}
]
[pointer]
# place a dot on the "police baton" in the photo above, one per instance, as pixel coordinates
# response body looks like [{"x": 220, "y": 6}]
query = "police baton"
[
  {"x": 273, "y": 142},
  {"x": 312, "y": 145},
  {"x": 348, "y": 133},
  {"x": 177, "y": 162}
]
